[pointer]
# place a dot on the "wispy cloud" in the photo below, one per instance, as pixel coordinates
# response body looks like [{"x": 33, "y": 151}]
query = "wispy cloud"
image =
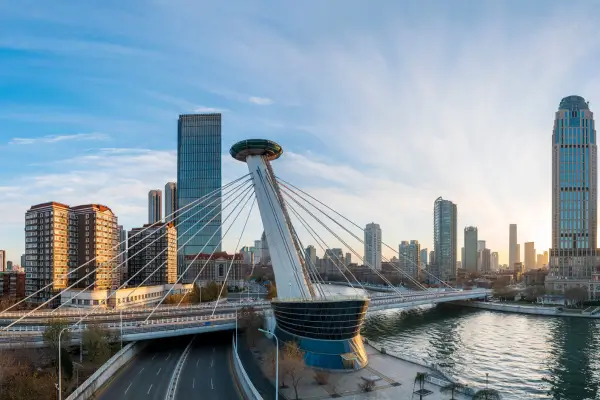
[
  {"x": 60, "y": 138},
  {"x": 243, "y": 98},
  {"x": 261, "y": 101},
  {"x": 202, "y": 109}
]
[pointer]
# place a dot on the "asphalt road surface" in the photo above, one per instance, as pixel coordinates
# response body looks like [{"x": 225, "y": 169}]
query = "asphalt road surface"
[
  {"x": 147, "y": 376},
  {"x": 208, "y": 370}
]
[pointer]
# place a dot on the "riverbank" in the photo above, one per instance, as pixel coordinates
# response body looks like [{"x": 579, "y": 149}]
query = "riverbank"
[{"x": 524, "y": 309}]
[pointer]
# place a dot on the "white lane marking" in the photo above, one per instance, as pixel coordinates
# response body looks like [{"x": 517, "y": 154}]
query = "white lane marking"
[
  {"x": 212, "y": 360},
  {"x": 149, "y": 389},
  {"x": 197, "y": 362},
  {"x": 160, "y": 369},
  {"x": 141, "y": 370},
  {"x": 154, "y": 356},
  {"x": 193, "y": 383},
  {"x": 169, "y": 356},
  {"x": 211, "y": 385},
  {"x": 126, "y": 390}
]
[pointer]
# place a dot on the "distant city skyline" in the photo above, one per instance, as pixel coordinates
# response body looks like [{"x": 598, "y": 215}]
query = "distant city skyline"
[{"x": 88, "y": 129}]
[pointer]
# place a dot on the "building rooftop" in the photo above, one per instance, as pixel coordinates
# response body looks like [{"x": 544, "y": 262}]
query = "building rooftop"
[{"x": 573, "y": 102}]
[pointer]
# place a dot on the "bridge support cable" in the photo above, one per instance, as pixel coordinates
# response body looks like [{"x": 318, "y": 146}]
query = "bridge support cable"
[
  {"x": 237, "y": 246},
  {"x": 216, "y": 200},
  {"x": 394, "y": 288},
  {"x": 264, "y": 181},
  {"x": 113, "y": 269},
  {"x": 247, "y": 191},
  {"x": 397, "y": 268},
  {"x": 244, "y": 201},
  {"x": 244, "y": 193},
  {"x": 289, "y": 186},
  {"x": 319, "y": 240},
  {"x": 176, "y": 212}
]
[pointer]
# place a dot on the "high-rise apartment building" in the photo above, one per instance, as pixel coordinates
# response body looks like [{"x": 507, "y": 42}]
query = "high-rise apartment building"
[
  {"x": 170, "y": 201},
  {"x": 484, "y": 260},
  {"x": 2, "y": 260},
  {"x": 156, "y": 264},
  {"x": 373, "y": 246},
  {"x": 529, "y": 253},
  {"x": 424, "y": 258},
  {"x": 154, "y": 206},
  {"x": 199, "y": 174},
  {"x": 98, "y": 245},
  {"x": 51, "y": 237},
  {"x": 495, "y": 261},
  {"x": 348, "y": 259},
  {"x": 546, "y": 258},
  {"x": 518, "y": 254},
  {"x": 409, "y": 258},
  {"x": 310, "y": 254},
  {"x": 512, "y": 245},
  {"x": 445, "y": 238},
  {"x": 469, "y": 262},
  {"x": 539, "y": 263},
  {"x": 574, "y": 196}
]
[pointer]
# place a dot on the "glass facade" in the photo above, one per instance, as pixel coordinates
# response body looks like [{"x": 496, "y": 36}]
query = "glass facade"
[
  {"x": 444, "y": 238},
  {"x": 574, "y": 184},
  {"x": 199, "y": 173}
]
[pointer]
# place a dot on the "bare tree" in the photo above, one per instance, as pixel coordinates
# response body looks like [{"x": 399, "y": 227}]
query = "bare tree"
[
  {"x": 293, "y": 365},
  {"x": 576, "y": 295}
]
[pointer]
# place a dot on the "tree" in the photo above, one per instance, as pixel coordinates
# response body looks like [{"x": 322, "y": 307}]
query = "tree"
[
  {"x": 420, "y": 378},
  {"x": 292, "y": 364},
  {"x": 487, "y": 394},
  {"x": 53, "y": 329},
  {"x": 576, "y": 295},
  {"x": 249, "y": 320},
  {"x": 96, "y": 340},
  {"x": 271, "y": 291},
  {"x": 533, "y": 292},
  {"x": 24, "y": 383},
  {"x": 452, "y": 387},
  {"x": 211, "y": 291}
]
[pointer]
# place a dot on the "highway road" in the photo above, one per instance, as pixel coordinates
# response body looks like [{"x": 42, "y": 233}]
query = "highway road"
[
  {"x": 147, "y": 376},
  {"x": 208, "y": 370}
]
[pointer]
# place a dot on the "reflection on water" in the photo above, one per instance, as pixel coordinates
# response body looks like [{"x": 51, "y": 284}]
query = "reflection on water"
[{"x": 526, "y": 357}]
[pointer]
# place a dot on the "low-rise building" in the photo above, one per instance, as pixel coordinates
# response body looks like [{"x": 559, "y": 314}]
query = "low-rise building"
[
  {"x": 12, "y": 284},
  {"x": 535, "y": 277},
  {"x": 204, "y": 268}
]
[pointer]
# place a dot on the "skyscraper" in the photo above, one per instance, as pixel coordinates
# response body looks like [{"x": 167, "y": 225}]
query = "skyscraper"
[
  {"x": 373, "y": 245},
  {"x": 444, "y": 238},
  {"x": 484, "y": 260},
  {"x": 574, "y": 195},
  {"x": 469, "y": 262},
  {"x": 424, "y": 257},
  {"x": 529, "y": 253},
  {"x": 2, "y": 260},
  {"x": 198, "y": 174},
  {"x": 518, "y": 254},
  {"x": 512, "y": 245},
  {"x": 122, "y": 253},
  {"x": 170, "y": 201},
  {"x": 495, "y": 261},
  {"x": 410, "y": 257},
  {"x": 153, "y": 255},
  {"x": 154, "y": 206},
  {"x": 310, "y": 254}
]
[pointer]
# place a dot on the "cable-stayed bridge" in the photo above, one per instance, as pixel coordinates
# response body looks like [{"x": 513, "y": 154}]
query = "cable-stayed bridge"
[{"x": 327, "y": 326}]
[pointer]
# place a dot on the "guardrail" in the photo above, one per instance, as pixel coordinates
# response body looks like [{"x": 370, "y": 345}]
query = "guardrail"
[
  {"x": 172, "y": 389},
  {"x": 242, "y": 376}
]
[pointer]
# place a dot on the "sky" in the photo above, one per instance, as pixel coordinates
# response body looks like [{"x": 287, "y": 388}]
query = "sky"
[{"x": 380, "y": 110}]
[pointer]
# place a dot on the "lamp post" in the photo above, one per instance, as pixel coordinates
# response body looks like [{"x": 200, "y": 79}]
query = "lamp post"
[
  {"x": 121, "y": 335},
  {"x": 276, "y": 360},
  {"x": 60, "y": 364}
]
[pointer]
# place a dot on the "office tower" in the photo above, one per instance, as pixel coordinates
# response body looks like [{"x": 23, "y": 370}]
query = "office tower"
[
  {"x": 348, "y": 259},
  {"x": 545, "y": 258},
  {"x": 333, "y": 261},
  {"x": 2, "y": 260},
  {"x": 409, "y": 258},
  {"x": 9, "y": 266},
  {"x": 574, "y": 195},
  {"x": 539, "y": 263},
  {"x": 265, "y": 256},
  {"x": 160, "y": 256},
  {"x": 98, "y": 235},
  {"x": 431, "y": 257},
  {"x": 51, "y": 237},
  {"x": 469, "y": 262},
  {"x": 311, "y": 255},
  {"x": 170, "y": 201},
  {"x": 512, "y": 245},
  {"x": 445, "y": 238},
  {"x": 518, "y": 254},
  {"x": 23, "y": 262},
  {"x": 154, "y": 206},
  {"x": 373, "y": 246},
  {"x": 495, "y": 261},
  {"x": 198, "y": 175},
  {"x": 462, "y": 256},
  {"x": 484, "y": 260},
  {"x": 122, "y": 254},
  {"x": 480, "y": 245},
  {"x": 529, "y": 250},
  {"x": 424, "y": 257}
]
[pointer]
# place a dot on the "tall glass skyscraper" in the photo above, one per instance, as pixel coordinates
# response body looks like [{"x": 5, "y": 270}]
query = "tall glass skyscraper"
[
  {"x": 444, "y": 239},
  {"x": 574, "y": 194},
  {"x": 198, "y": 173}
]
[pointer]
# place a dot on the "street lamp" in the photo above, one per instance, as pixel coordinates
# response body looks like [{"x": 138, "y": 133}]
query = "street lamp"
[
  {"x": 276, "y": 360},
  {"x": 121, "y": 315},
  {"x": 60, "y": 363}
]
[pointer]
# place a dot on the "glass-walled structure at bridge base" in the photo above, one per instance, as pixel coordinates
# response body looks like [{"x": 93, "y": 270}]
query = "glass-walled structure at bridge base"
[{"x": 328, "y": 331}]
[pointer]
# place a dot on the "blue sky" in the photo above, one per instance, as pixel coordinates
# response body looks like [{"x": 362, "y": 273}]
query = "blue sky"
[{"x": 380, "y": 109}]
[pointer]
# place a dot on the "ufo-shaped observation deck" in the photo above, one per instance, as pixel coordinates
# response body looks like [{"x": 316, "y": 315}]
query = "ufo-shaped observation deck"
[{"x": 256, "y": 147}]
